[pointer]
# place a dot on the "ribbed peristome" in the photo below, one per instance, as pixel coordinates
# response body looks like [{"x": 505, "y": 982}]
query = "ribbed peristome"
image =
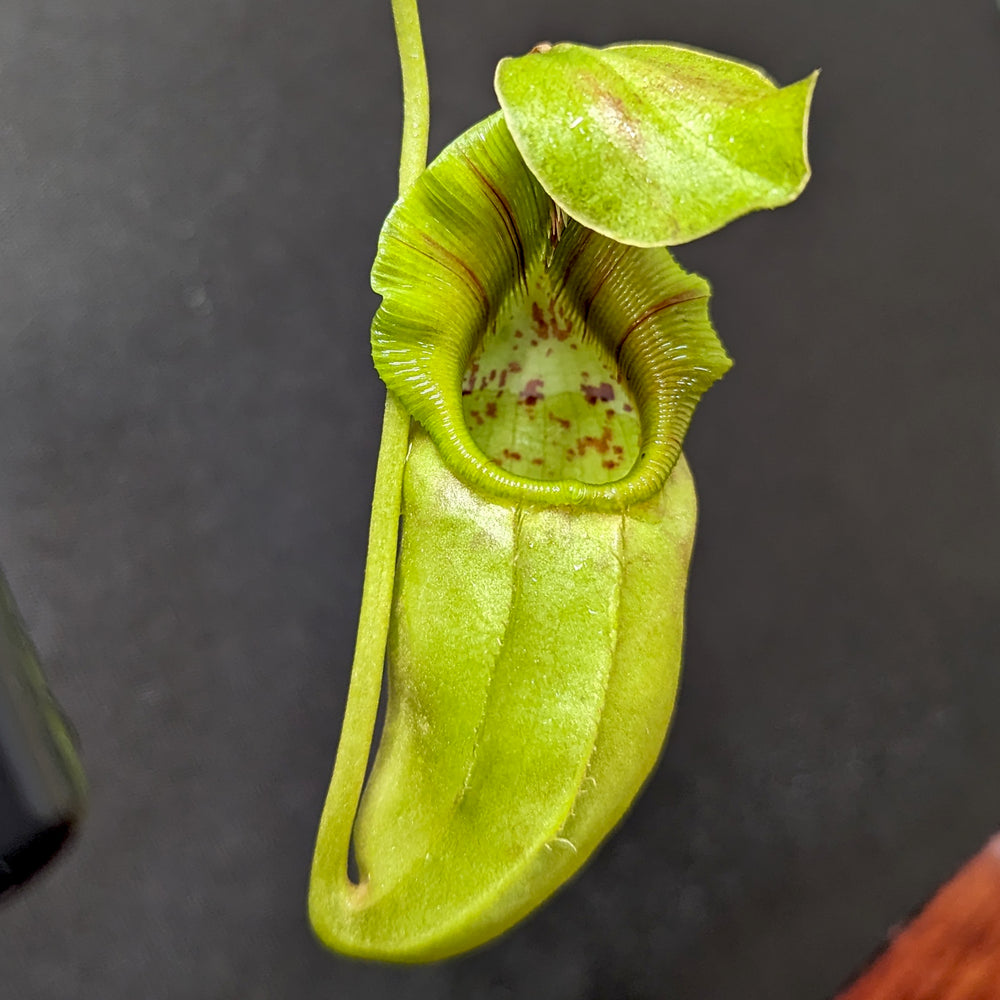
[{"x": 472, "y": 238}]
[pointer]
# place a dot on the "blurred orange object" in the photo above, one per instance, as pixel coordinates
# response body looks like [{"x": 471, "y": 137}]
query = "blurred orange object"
[{"x": 951, "y": 949}]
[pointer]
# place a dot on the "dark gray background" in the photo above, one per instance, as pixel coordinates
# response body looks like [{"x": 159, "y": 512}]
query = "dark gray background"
[{"x": 190, "y": 193}]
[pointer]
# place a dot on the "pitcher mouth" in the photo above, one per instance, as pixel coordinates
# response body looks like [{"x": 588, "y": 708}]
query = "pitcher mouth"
[
  {"x": 550, "y": 365},
  {"x": 542, "y": 395}
]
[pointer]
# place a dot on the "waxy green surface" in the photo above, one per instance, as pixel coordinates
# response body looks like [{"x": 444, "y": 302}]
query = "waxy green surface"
[
  {"x": 537, "y": 623},
  {"x": 655, "y": 144},
  {"x": 533, "y": 665},
  {"x": 550, "y": 353}
]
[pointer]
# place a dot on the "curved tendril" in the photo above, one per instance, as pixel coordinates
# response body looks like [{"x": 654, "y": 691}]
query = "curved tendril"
[{"x": 364, "y": 692}]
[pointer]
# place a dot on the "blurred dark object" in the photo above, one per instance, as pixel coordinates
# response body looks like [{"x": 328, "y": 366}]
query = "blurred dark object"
[
  {"x": 41, "y": 780},
  {"x": 951, "y": 949}
]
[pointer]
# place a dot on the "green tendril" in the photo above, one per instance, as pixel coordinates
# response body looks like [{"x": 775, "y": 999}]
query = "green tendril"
[{"x": 363, "y": 694}]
